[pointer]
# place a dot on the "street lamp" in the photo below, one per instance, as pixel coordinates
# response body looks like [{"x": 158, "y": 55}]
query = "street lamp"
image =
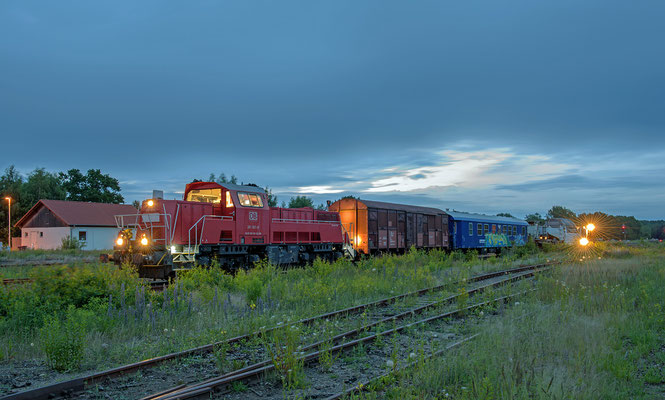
[{"x": 9, "y": 227}]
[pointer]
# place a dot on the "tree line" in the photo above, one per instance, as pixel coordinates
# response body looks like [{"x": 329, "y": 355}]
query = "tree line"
[
  {"x": 610, "y": 226},
  {"x": 74, "y": 185}
]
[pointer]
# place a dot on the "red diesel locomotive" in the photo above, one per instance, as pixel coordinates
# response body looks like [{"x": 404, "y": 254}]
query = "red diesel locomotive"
[{"x": 232, "y": 224}]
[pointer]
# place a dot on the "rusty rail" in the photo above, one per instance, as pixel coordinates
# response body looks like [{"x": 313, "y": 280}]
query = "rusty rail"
[{"x": 79, "y": 384}]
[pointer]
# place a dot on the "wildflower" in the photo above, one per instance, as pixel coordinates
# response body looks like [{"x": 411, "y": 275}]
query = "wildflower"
[
  {"x": 481, "y": 313},
  {"x": 166, "y": 329},
  {"x": 412, "y": 355},
  {"x": 279, "y": 323},
  {"x": 32, "y": 345},
  {"x": 252, "y": 306},
  {"x": 517, "y": 303},
  {"x": 360, "y": 386},
  {"x": 390, "y": 364},
  {"x": 373, "y": 269}
]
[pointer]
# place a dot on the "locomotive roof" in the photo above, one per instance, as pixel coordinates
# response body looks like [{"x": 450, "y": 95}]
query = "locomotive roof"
[
  {"x": 215, "y": 185},
  {"x": 462, "y": 216},
  {"x": 401, "y": 207}
]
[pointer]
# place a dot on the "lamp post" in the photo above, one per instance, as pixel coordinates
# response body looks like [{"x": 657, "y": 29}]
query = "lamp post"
[{"x": 9, "y": 226}]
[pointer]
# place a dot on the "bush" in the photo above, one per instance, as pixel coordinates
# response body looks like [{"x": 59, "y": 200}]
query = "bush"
[
  {"x": 62, "y": 342},
  {"x": 69, "y": 243}
]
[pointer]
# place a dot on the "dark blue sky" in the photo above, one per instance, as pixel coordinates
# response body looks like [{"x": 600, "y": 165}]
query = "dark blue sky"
[{"x": 480, "y": 106}]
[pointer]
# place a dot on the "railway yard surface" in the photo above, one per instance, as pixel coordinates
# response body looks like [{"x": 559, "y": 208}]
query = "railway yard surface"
[{"x": 551, "y": 324}]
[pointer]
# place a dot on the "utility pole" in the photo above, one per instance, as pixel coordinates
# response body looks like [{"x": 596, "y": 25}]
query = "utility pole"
[{"x": 9, "y": 226}]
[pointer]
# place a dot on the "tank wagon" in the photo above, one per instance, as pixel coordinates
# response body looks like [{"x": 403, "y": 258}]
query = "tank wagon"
[
  {"x": 484, "y": 232},
  {"x": 232, "y": 224},
  {"x": 375, "y": 226}
]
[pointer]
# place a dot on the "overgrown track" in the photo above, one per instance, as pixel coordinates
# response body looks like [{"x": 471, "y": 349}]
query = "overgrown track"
[
  {"x": 256, "y": 371},
  {"x": 16, "y": 281},
  {"x": 79, "y": 384}
]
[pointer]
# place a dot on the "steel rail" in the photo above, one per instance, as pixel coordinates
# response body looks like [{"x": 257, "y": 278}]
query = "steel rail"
[
  {"x": 79, "y": 384},
  {"x": 396, "y": 317},
  {"x": 208, "y": 386},
  {"x": 363, "y": 385}
]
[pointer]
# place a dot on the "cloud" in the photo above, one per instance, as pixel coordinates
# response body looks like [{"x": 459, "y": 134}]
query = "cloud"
[
  {"x": 318, "y": 189},
  {"x": 469, "y": 169}
]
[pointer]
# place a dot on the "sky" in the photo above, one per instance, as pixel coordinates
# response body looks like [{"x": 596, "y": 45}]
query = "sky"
[{"x": 480, "y": 106}]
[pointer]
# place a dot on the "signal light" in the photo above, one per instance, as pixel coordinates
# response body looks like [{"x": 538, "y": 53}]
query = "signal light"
[
  {"x": 151, "y": 203},
  {"x": 120, "y": 241},
  {"x": 584, "y": 241},
  {"x": 144, "y": 241}
]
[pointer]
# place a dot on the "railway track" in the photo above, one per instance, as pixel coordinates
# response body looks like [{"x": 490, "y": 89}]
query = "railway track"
[
  {"x": 16, "y": 281},
  {"x": 381, "y": 311}
]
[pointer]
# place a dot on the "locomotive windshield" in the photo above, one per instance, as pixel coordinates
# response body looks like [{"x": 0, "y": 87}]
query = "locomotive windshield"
[
  {"x": 205, "y": 195},
  {"x": 250, "y": 200}
]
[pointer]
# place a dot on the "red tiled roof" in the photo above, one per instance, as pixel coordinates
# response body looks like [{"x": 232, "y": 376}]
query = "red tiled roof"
[{"x": 81, "y": 213}]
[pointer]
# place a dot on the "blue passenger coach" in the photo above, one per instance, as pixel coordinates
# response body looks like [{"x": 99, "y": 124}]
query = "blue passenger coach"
[{"x": 477, "y": 231}]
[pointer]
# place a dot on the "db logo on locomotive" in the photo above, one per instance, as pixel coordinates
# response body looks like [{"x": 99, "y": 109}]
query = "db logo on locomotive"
[{"x": 253, "y": 216}]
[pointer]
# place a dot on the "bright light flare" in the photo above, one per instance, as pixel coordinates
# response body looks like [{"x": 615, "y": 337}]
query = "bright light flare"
[
  {"x": 144, "y": 241},
  {"x": 584, "y": 241},
  {"x": 150, "y": 203},
  {"x": 358, "y": 240},
  {"x": 590, "y": 227},
  {"x": 120, "y": 241}
]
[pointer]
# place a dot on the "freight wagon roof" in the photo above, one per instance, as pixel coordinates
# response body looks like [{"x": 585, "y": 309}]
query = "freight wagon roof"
[
  {"x": 401, "y": 207},
  {"x": 462, "y": 216},
  {"x": 80, "y": 213}
]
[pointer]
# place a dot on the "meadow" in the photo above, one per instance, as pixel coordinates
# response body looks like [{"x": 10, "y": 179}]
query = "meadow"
[{"x": 595, "y": 329}]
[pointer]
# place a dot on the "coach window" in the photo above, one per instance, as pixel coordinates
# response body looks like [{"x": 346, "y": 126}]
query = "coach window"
[
  {"x": 487, "y": 229},
  {"x": 470, "y": 228},
  {"x": 479, "y": 228},
  {"x": 504, "y": 229},
  {"x": 514, "y": 230},
  {"x": 250, "y": 200},
  {"x": 524, "y": 230}
]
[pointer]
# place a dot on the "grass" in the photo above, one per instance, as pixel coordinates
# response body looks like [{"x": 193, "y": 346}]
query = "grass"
[
  {"x": 29, "y": 254},
  {"x": 594, "y": 330},
  {"x": 123, "y": 321}
]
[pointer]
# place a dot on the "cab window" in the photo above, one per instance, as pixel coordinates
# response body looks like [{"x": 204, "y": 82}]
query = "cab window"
[
  {"x": 250, "y": 200},
  {"x": 205, "y": 195},
  {"x": 229, "y": 200}
]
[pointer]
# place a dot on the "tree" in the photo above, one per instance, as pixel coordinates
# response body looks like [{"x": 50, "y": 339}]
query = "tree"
[
  {"x": 11, "y": 184},
  {"x": 272, "y": 199},
  {"x": 136, "y": 204},
  {"x": 534, "y": 218},
  {"x": 300, "y": 202},
  {"x": 509, "y": 215},
  {"x": 94, "y": 186},
  {"x": 561, "y": 212},
  {"x": 233, "y": 180},
  {"x": 42, "y": 185}
]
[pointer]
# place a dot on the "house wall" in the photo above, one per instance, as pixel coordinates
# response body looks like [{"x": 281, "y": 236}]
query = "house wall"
[
  {"x": 96, "y": 237},
  {"x": 43, "y": 238}
]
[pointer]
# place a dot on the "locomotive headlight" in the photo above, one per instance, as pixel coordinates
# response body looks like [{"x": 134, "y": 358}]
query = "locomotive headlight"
[
  {"x": 590, "y": 227},
  {"x": 584, "y": 241},
  {"x": 144, "y": 241},
  {"x": 172, "y": 249},
  {"x": 358, "y": 240},
  {"x": 120, "y": 241},
  {"x": 150, "y": 203}
]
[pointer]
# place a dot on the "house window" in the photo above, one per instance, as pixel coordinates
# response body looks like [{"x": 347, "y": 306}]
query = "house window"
[
  {"x": 504, "y": 229},
  {"x": 514, "y": 230},
  {"x": 41, "y": 234},
  {"x": 83, "y": 236},
  {"x": 470, "y": 228},
  {"x": 524, "y": 230},
  {"x": 493, "y": 228},
  {"x": 25, "y": 234}
]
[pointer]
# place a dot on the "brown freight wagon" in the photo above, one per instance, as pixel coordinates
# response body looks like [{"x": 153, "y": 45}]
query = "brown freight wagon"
[{"x": 375, "y": 226}]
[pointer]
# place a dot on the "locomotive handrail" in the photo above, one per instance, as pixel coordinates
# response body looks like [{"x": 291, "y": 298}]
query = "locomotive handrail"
[
  {"x": 140, "y": 222},
  {"x": 197, "y": 242},
  {"x": 305, "y": 221}
]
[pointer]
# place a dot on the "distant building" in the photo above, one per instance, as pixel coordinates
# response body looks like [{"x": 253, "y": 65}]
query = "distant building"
[{"x": 50, "y": 221}]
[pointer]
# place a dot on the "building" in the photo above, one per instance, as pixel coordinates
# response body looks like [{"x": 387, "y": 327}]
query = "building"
[{"x": 50, "y": 221}]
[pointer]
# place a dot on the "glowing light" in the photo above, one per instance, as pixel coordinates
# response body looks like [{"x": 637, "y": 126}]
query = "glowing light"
[
  {"x": 358, "y": 240},
  {"x": 584, "y": 241},
  {"x": 151, "y": 203},
  {"x": 144, "y": 241},
  {"x": 8, "y": 198},
  {"x": 590, "y": 227},
  {"x": 120, "y": 241}
]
